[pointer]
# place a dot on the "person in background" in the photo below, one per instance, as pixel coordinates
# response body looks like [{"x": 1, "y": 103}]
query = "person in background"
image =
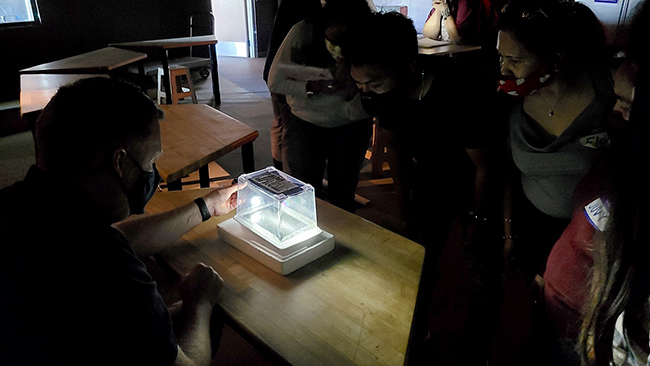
[
  {"x": 327, "y": 130},
  {"x": 289, "y": 13},
  {"x": 558, "y": 126},
  {"x": 615, "y": 329},
  {"x": 74, "y": 290},
  {"x": 434, "y": 115},
  {"x": 461, "y": 21}
]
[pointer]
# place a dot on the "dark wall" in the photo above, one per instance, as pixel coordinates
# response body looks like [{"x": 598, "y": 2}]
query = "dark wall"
[
  {"x": 265, "y": 15},
  {"x": 71, "y": 27}
]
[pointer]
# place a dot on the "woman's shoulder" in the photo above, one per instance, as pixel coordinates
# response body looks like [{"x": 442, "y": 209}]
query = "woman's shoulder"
[{"x": 301, "y": 32}]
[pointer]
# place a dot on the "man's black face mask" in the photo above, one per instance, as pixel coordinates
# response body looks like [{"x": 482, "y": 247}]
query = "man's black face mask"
[{"x": 143, "y": 189}]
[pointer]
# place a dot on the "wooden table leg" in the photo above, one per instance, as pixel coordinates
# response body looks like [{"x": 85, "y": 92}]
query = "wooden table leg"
[
  {"x": 142, "y": 76},
  {"x": 175, "y": 186},
  {"x": 166, "y": 79},
  {"x": 204, "y": 176},
  {"x": 248, "y": 157},
  {"x": 215, "y": 74}
]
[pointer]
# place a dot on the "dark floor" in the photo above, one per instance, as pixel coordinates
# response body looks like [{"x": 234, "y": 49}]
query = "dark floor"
[{"x": 454, "y": 339}]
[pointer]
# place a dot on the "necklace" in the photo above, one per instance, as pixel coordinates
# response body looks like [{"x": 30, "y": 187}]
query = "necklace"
[
  {"x": 551, "y": 111},
  {"x": 421, "y": 87}
]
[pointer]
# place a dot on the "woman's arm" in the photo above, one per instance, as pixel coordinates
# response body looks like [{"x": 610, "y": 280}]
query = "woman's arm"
[
  {"x": 291, "y": 78},
  {"x": 478, "y": 157},
  {"x": 452, "y": 30},
  {"x": 279, "y": 80},
  {"x": 509, "y": 233},
  {"x": 432, "y": 26}
]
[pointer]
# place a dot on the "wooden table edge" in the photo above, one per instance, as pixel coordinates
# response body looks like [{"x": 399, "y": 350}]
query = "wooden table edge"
[
  {"x": 86, "y": 70},
  {"x": 146, "y": 47},
  {"x": 212, "y": 157}
]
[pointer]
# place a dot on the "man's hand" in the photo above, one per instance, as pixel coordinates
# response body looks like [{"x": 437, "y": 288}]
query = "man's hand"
[
  {"x": 202, "y": 286},
  {"x": 221, "y": 200}
]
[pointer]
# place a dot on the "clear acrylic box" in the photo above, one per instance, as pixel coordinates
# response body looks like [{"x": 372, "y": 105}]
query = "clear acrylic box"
[
  {"x": 275, "y": 222},
  {"x": 277, "y": 207}
]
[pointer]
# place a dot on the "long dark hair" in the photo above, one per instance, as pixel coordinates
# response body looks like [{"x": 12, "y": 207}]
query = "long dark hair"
[{"x": 621, "y": 275}]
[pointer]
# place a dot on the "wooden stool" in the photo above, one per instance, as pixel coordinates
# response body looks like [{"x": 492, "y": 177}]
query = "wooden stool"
[
  {"x": 378, "y": 151},
  {"x": 176, "y": 74}
]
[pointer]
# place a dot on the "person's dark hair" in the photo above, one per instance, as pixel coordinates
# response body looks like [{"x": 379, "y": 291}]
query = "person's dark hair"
[
  {"x": 345, "y": 13},
  {"x": 388, "y": 40},
  {"x": 621, "y": 274},
  {"x": 86, "y": 118},
  {"x": 565, "y": 27}
]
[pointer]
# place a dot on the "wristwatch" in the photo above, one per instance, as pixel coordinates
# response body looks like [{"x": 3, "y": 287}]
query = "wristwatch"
[{"x": 445, "y": 13}]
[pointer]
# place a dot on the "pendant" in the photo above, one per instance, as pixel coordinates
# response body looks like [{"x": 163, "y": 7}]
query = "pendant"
[{"x": 550, "y": 113}]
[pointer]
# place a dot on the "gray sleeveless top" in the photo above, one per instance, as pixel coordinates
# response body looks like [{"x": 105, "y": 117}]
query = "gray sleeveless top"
[{"x": 550, "y": 172}]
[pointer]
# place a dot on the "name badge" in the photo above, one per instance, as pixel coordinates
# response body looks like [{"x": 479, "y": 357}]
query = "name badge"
[
  {"x": 598, "y": 213},
  {"x": 595, "y": 141}
]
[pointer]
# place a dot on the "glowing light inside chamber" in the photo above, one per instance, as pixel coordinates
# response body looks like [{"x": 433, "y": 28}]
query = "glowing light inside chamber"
[
  {"x": 256, "y": 201},
  {"x": 256, "y": 217}
]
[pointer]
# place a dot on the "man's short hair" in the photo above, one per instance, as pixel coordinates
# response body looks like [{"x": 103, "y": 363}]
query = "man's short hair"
[
  {"x": 385, "y": 39},
  {"x": 87, "y": 118}
]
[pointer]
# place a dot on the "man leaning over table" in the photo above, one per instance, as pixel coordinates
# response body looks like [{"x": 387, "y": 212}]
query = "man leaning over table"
[{"x": 73, "y": 289}]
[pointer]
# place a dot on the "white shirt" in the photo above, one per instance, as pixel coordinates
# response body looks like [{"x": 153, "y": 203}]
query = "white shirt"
[
  {"x": 622, "y": 348},
  {"x": 289, "y": 77}
]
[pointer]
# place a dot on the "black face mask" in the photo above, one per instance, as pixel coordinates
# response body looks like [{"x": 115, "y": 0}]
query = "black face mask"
[
  {"x": 143, "y": 189},
  {"x": 391, "y": 107}
]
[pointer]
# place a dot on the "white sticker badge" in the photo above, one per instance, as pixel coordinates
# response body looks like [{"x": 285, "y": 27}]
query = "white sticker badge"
[
  {"x": 598, "y": 213},
  {"x": 595, "y": 141}
]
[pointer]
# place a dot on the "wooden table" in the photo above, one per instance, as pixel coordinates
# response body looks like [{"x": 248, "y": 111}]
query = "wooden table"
[
  {"x": 449, "y": 49},
  {"x": 193, "y": 135},
  {"x": 36, "y": 90},
  {"x": 160, "y": 47},
  {"x": 102, "y": 61},
  {"x": 353, "y": 306}
]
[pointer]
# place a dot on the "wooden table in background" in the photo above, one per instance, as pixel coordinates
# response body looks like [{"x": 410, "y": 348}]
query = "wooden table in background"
[
  {"x": 36, "y": 90},
  {"x": 102, "y": 61},
  {"x": 449, "y": 49},
  {"x": 353, "y": 306},
  {"x": 160, "y": 47},
  {"x": 193, "y": 135}
]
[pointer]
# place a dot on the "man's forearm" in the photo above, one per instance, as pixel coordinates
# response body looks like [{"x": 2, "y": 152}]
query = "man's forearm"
[
  {"x": 193, "y": 334},
  {"x": 150, "y": 234}
]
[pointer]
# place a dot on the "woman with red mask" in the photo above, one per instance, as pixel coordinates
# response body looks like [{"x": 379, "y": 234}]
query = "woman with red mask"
[{"x": 553, "y": 57}]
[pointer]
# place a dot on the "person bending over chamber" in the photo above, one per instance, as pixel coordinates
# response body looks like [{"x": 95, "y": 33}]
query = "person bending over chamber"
[{"x": 74, "y": 289}]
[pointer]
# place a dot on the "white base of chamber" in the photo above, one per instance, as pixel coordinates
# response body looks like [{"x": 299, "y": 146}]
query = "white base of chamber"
[{"x": 289, "y": 260}]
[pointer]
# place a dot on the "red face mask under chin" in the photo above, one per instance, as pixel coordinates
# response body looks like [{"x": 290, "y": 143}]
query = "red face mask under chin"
[{"x": 521, "y": 87}]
